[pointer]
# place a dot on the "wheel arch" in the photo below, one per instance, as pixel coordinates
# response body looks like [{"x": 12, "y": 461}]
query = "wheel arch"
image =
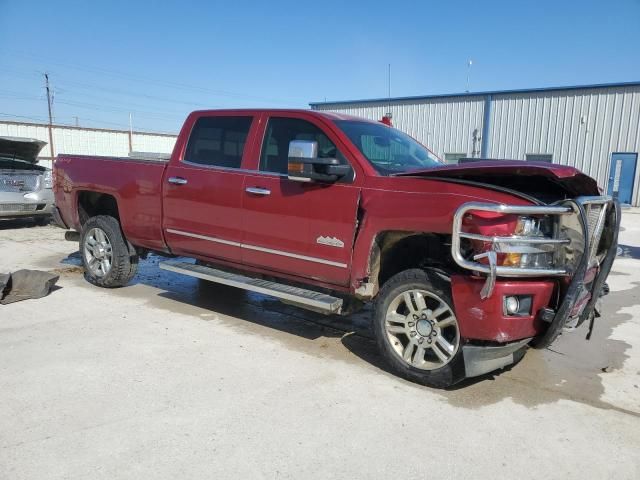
[
  {"x": 393, "y": 251},
  {"x": 91, "y": 203}
]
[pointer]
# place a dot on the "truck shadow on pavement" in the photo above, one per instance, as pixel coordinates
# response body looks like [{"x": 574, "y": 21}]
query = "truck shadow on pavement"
[
  {"x": 18, "y": 223},
  {"x": 571, "y": 369}
]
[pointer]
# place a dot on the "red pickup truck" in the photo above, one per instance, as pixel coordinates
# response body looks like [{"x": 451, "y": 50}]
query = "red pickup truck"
[{"x": 466, "y": 265}]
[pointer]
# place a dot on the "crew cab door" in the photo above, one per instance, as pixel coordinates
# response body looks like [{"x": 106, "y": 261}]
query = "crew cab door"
[
  {"x": 202, "y": 195},
  {"x": 297, "y": 228}
]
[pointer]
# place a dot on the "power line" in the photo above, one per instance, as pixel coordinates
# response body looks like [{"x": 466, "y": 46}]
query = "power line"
[
  {"x": 12, "y": 115},
  {"x": 132, "y": 94},
  {"x": 148, "y": 80},
  {"x": 94, "y": 87},
  {"x": 126, "y": 106},
  {"x": 123, "y": 126},
  {"x": 93, "y": 107}
]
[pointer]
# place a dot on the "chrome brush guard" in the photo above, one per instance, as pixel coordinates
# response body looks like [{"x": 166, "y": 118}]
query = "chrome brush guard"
[{"x": 574, "y": 219}]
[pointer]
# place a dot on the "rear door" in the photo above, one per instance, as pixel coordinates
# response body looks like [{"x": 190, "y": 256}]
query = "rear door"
[
  {"x": 297, "y": 228},
  {"x": 203, "y": 192}
]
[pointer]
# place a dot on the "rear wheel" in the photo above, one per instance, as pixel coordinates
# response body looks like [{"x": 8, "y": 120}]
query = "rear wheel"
[
  {"x": 108, "y": 258},
  {"x": 417, "y": 331}
]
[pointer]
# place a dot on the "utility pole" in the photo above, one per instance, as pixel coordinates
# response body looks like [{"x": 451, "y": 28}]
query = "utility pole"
[
  {"x": 389, "y": 91},
  {"x": 49, "y": 101},
  {"x": 130, "y": 132}
]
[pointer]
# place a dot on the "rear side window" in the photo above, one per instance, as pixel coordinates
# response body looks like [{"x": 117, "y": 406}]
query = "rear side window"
[
  {"x": 218, "y": 141},
  {"x": 281, "y": 131}
]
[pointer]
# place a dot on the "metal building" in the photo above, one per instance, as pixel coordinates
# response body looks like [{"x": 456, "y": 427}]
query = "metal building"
[
  {"x": 88, "y": 141},
  {"x": 595, "y": 128}
]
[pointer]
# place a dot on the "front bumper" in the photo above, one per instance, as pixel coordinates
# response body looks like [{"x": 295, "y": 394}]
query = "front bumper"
[
  {"x": 479, "y": 360},
  {"x": 14, "y": 205},
  {"x": 485, "y": 319}
]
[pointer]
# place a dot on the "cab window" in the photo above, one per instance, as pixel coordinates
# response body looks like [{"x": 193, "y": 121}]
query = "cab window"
[
  {"x": 390, "y": 151},
  {"x": 281, "y": 131},
  {"x": 218, "y": 141}
]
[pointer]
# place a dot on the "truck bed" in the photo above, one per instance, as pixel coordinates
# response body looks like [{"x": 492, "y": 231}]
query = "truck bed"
[{"x": 135, "y": 183}]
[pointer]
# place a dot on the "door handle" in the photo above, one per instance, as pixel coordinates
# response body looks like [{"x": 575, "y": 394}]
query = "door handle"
[
  {"x": 258, "y": 191},
  {"x": 177, "y": 180}
]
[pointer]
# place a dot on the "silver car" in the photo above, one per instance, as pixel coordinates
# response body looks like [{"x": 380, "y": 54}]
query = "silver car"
[{"x": 25, "y": 187}]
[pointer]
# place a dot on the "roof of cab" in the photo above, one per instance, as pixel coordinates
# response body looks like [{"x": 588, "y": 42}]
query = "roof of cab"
[{"x": 333, "y": 116}]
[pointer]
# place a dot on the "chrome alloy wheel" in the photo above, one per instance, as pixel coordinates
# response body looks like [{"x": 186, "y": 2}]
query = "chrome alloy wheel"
[
  {"x": 98, "y": 253},
  {"x": 422, "y": 329}
]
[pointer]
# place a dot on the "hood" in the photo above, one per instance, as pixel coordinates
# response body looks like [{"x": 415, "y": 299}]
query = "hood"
[
  {"x": 18, "y": 148},
  {"x": 546, "y": 182}
]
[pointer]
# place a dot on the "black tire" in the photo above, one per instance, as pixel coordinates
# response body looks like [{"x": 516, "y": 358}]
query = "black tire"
[
  {"x": 445, "y": 376},
  {"x": 124, "y": 258}
]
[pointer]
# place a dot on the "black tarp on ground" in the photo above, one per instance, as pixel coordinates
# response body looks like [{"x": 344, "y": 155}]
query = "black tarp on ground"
[{"x": 25, "y": 284}]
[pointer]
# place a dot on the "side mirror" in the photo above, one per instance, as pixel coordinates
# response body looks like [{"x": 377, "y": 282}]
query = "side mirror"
[{"x": 305, "y": 166}]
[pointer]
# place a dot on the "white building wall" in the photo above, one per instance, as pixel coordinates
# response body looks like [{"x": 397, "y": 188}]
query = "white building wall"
[
  {"x": 580, "y": 127},
  {"x": 88, "y": 141},
  {"x": 144, "y": 142}
]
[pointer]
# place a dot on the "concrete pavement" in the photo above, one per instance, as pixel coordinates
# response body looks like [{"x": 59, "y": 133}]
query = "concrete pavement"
[{"x": 172, "y": 378}]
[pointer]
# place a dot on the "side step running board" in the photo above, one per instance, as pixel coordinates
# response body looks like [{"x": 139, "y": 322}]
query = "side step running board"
[{"x": 297, "y": 296}]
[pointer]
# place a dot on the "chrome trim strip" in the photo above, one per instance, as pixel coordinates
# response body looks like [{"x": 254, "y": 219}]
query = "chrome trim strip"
[
  {"x": 204, "y": 237},
  {"x": 515, "y": 239},
  {"x": 217, "y": 167},
  {"x": 258, "y": 249},
  {"x": 295, "y": 255}
]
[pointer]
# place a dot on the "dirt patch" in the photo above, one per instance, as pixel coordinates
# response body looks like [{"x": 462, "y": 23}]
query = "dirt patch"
[{"x": 67, "y": 270}]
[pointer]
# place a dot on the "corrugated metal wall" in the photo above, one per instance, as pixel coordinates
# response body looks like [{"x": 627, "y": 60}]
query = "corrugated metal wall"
[
  {"x": 88, "y": 141},
  {"x": 579, "y": 127}
]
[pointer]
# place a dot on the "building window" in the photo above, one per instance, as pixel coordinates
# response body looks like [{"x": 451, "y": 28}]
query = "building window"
[
  {"x": 539, "y": 157},
  {"x": 453, "y": 158}
]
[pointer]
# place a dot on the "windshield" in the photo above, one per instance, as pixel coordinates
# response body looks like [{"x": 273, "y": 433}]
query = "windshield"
[{"x": 387, "y": 149}]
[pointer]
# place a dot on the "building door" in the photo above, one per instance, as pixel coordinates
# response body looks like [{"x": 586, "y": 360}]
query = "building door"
[{"x": 622, "y": 174}]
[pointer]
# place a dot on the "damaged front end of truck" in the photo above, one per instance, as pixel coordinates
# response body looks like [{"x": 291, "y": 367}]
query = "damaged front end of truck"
[
  {"x": 528, "y": 272},
  {"x": 572, "y": 240}
]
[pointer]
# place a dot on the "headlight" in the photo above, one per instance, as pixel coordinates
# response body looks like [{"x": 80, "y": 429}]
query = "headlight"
[
  {"x": 530, "y": 255},
  {"x": 47, "y": 179},
  {"x": 519, "y": 241}
]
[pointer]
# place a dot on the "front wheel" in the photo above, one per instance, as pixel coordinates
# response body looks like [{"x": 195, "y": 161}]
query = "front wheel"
[
  {"x": 108, "y": 258},
  {"x": 417, "y": 331}
]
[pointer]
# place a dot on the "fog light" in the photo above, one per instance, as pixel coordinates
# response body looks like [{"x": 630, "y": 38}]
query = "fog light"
[{"x": 511, "y": 305}]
